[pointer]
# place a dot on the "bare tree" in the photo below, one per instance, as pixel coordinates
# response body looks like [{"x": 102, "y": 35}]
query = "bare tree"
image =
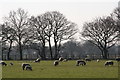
[
  {"x": 116, "y": 15},
  {"x": 102, "y": 33},
  {"x": 1, "y": 43},
  {"x": 52, "y": 25},
  {"x": 47, "y": 18},
  {"x": 18, "y": 20},
  {"x": 8, "y": 36},
  {"x": 62, "y": 29},
  {"x": 38, "y": 25}
]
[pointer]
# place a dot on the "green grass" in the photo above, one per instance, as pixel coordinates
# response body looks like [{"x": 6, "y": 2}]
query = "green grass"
[{"x": 45, "y": 69}]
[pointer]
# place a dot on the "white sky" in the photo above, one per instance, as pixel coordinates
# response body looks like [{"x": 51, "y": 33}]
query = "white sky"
[{"x": 78, "y": 11}]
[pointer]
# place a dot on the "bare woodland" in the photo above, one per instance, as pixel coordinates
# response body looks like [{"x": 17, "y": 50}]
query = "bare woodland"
[{"x": 22, "y": 32}]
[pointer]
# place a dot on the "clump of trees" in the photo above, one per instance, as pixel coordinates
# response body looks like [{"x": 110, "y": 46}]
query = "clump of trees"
[
  {"x": 22, "y": 30},
  {"x": 103, "y": 32},
  {"x": 16, "y": 29},
  {"x": 52, "y": 25},
  {"x": 53, "y": 28}
]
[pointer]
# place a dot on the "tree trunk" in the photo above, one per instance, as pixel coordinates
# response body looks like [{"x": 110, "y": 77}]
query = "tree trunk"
[
  {"x": 119, "y": 50},
  {"x": 56, "y": 52},
  {"x": 9, "y": 50},
  {"x": 50, "y": 49},
  {"x": 39, "y": 55},
  {"x": 105, "y": 53},
  {"x": 2, "y": 55},
  {"x": 58, "y": 48},
  {"x": 43, "y": 51},
  {"x": 20, "y": 50}
]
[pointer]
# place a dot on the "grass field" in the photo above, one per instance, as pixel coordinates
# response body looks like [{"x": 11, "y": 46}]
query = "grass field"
[{"x": 45, "y": 69}]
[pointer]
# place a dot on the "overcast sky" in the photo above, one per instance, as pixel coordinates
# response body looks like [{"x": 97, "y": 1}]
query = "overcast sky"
[{"x": 78, "y": 11}]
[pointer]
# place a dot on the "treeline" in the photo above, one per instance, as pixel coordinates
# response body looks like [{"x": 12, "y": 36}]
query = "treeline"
[
  {"x": 53, "y": 28},
  {"x": 69, "y": 50},
  {"x": 49, "y": 27},
  {"x": 104, "y": 32}
]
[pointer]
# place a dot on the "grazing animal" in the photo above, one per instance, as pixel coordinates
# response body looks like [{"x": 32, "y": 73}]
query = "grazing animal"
[
  {"x": 27, "y": 67},
  {"x": 3, "y": 63},
  {"x": 65, "y": 60},
  {"x": 118, "y": 59},
  {"x": 24, "y": 65},
  {"x": 86, "y": 59},
  {"x": 80, "y": 62},
  {"x": 61, "y": 59},
  {"x": 98, "y": 60},
  {"x": 37, "y": 60},
  {"x": 11, "y": 64},
  {"x": 107, "y": 63},
  {"x": 56, "y": 63}
]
